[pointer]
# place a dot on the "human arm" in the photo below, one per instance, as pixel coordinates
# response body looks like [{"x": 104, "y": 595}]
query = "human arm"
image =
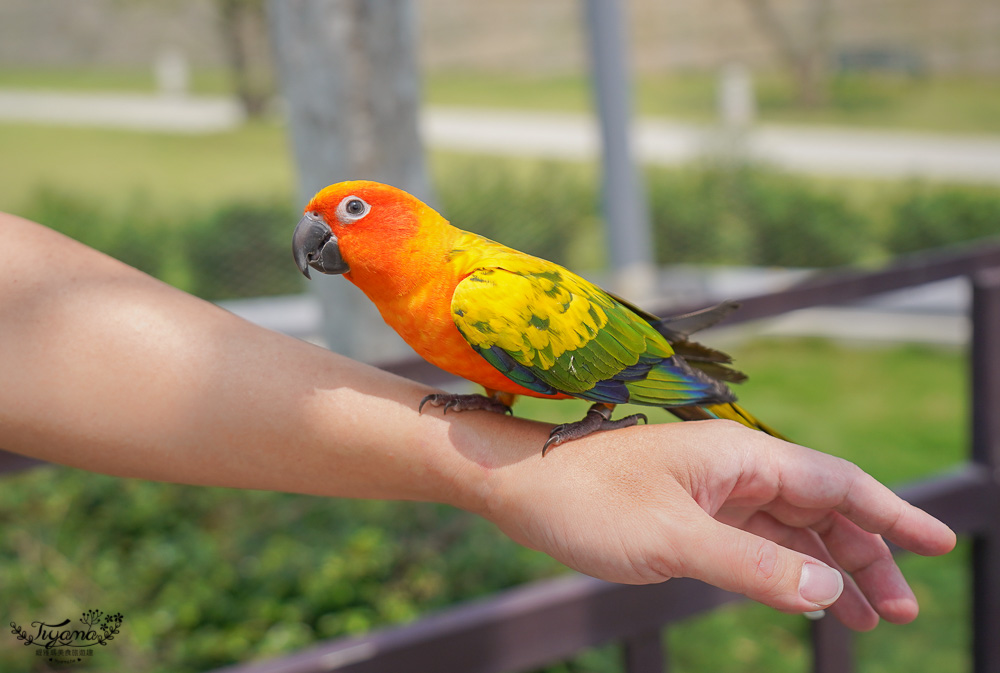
[{"x": 108, "y": 369}]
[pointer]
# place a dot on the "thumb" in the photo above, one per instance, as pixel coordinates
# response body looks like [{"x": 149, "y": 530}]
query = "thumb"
[{"x": 760, "y": 569}]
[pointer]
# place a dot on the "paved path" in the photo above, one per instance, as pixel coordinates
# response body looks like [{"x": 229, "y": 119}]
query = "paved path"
[
  {"x": 836, "y": 151},
  {"x": 183, "y": 114}
]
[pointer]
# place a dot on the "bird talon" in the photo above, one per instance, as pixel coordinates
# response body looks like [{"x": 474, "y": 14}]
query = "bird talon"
[
  {"x": 553, "y": 440},
  {"x": 427, "y": 398},
  {"x": 598, "y": 418}
]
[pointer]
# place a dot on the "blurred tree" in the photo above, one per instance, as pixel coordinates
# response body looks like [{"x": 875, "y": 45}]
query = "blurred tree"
[
  {"x": 804, "y": 49},
  {"x": 351, "y": 83},
  {"x": 243, "y": 25}
]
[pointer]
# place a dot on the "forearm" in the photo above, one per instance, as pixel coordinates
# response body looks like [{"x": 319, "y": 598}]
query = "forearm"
[{"x": 107, "y": 369}]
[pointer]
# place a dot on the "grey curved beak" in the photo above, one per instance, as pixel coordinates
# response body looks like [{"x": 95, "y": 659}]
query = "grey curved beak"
[{"x": 313, "y": 244}]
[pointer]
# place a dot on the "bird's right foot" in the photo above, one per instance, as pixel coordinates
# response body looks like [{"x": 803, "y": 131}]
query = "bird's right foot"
[{"x": 598, "y": 418}]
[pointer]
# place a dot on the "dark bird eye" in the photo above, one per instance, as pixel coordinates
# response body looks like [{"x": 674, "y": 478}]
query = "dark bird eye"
[{"x": 351, "y": 209}]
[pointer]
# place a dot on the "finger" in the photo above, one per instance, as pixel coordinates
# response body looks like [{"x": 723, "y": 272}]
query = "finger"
[
  {"x": 812, "y": 480},
  {"x": 852, "y": 608},
  {"x": 756, "y": 567},
  {"x": 862, "y": 554},
  {"x": 868, "y": 559}
]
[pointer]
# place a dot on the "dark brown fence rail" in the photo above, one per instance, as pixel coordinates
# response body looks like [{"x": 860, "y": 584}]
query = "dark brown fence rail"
[{"x": 542, "y": 623}]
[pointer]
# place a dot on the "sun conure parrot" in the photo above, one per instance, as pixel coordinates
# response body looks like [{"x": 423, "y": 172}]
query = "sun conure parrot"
[{"x": 513, "y": 323}]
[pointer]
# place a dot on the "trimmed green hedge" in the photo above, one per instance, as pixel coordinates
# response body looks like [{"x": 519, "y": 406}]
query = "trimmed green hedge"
[
  {"x": 930, "y": 218},
  {"x": 236, "y": 250},
  {"x": 703, "y": 215},
  {"x": 756, "y": 217}
]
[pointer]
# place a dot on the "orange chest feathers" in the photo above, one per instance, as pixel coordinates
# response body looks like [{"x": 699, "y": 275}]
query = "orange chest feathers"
[{"x": 423, "y": 319}]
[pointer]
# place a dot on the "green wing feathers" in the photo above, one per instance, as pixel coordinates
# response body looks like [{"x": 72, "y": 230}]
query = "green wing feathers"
[{"x": 554, "y": 332}]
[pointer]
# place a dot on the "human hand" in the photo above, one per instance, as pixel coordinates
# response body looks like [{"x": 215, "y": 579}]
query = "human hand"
[{"x": 724, "y": 504}]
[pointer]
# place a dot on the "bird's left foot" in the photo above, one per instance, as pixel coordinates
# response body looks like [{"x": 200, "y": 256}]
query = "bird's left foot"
[
  {"x": 598, "y": 418},
  {"x": 465, "y": 403}
]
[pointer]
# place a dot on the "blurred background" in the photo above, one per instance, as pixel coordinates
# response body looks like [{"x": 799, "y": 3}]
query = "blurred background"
[{"x": 775, "y": 138}]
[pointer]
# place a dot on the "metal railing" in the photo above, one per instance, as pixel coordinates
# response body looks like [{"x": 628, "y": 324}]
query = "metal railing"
[{"x": 550, "y": 621}]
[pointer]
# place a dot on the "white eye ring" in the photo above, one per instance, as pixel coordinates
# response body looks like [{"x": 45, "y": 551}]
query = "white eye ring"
[{"x": 352, "y": 209}]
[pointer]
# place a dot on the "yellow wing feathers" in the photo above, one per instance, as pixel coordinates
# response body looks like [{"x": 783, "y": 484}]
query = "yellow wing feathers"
[
  {"x": 529, "y": 315},
  {"x": 554, "y": 332}
]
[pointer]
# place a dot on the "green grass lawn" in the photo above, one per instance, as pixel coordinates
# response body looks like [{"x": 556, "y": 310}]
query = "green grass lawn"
[
  {"x": 95, "y": 80},
  {"x": 943, "y": 104},
  {"x": 954, "y": 105},
  {"x": 172, "y": 172}
]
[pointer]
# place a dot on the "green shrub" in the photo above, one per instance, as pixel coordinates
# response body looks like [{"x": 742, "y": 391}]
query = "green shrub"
[
  {"x": 719, "y": 214},
  {"x": 134, "y": 235},
  {"x": 691, "y": 219},
  {"x": 796, "y": 224},
  {"x": 242, "y": 250},
  {"x": 707, "y": 214},
  {"x": 930, "y": 217},
  {"x": 235, "y": 250},
  {"x": 704, "y": 214},
  {"x": 542, "y": 208},
  {"x": 208, "y": 576}
]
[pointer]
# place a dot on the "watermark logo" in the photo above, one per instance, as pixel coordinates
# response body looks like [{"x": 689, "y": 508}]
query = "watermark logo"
[{"x": 64, "y": 643}]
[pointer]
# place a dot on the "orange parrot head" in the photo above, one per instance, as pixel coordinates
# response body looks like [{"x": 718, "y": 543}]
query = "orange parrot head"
[{"x": 364, "y": 230}]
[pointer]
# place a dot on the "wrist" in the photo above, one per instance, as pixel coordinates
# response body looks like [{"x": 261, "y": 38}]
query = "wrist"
[{"x": 492, "y": 453}]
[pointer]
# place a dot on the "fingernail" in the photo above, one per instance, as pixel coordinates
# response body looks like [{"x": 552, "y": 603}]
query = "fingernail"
[{"x": 820, "y": 584}]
